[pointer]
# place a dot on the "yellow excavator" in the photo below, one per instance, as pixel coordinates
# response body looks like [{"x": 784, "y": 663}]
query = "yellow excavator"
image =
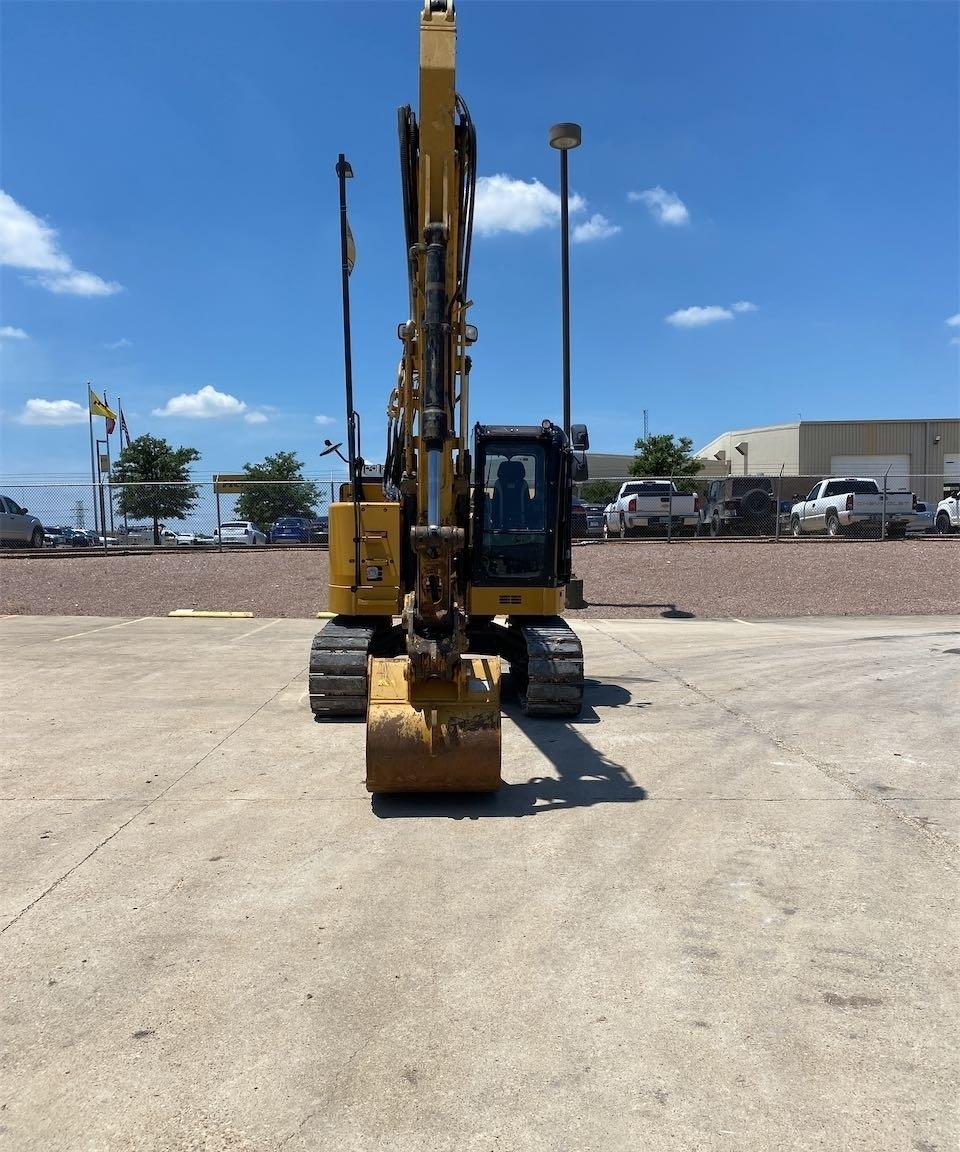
[{"x": 450, "y": 540}]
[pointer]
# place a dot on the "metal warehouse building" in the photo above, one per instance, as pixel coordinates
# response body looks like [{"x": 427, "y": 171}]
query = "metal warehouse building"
[{"x": 921, "y": 454}]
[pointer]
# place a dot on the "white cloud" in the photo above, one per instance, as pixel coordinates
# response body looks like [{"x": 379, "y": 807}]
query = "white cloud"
[
  {"x": 504, "y": 204},
  {"x": 953, "y": 321},
  {"x": 665, "y": 207},
  {"x": 323, "y": 421},
  {"x": 955, "y": 339},
  {"x": 697, "y": 317},
  {"x": 743, "y": 306},
  {"x": 598, "y": 227},
  {"x": 123, "y": 342},
  {"x": 206, "y": 404},
  {"x": 79, "y": 284},
  {"x": 256, "y": 418},
  {"x": 30, "y": 243},
  {"x": 8, "y": 332},
  {"x": 52, "y": 413}
]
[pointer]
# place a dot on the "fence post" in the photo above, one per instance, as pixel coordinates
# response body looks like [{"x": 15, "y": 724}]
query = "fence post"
[
  {"x": 670, "y": 512},
  {"x": 883, "y": 513},
  {"x": 776, "y": 530},
  {"x": 216, "y": 489}
]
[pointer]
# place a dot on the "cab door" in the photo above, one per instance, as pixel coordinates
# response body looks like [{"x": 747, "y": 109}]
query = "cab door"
[{"x": 811, "y": 511}]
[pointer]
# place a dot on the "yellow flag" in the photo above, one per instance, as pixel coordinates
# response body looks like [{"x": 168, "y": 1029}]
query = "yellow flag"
[
  {"x": 351, "y": 250},
  {"x": 98, "y": 408}
]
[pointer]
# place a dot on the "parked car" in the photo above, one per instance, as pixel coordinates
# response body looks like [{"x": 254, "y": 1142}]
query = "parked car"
[
  {"x": 594, "y": 519},
  {"x": 922, "y": 518},
  {"x": 578, "y": 519},
  {"x": 297, "y": 530},
  {"x": 54, "y": 537},
  {"x": 240, "y": 532},
  {"x": 947, "y": 519},
  {"x": 320, "y": 532},
  {"x": 642, "y": 504},
  {"x": 740, "y": 506},
  {"x": 18, "y": 529},
  {"x": 70, "y": 537},
  {"x": 839, "y": 504}
]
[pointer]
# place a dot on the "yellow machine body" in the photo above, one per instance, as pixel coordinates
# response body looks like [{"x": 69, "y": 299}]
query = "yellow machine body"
[
  {"x": 521, "y": 601},
  {"x": 433, "y": 735},
  {"x": 377, "y": 592}
]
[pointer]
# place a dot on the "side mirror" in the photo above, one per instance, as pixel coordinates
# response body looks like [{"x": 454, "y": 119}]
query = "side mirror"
[
  {"x": 581, "y": 470},
  {"x": 580, "y": 437}
]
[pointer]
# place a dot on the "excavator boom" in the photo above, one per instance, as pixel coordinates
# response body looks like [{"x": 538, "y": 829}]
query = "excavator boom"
[{"x": 433, "y": 717}]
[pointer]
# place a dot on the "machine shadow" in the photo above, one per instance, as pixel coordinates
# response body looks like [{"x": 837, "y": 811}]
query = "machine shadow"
[
  {"x": 584, "y": 775},
  {"x": 670, "y": 611}
]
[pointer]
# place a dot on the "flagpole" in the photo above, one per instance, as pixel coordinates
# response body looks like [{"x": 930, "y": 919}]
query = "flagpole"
[
  {"x": 123, "y": 425},
  {"x": 106, "y": 431},
  {"x": 93, "y": 459}
]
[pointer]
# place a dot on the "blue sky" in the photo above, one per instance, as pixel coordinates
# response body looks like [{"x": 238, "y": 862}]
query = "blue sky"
[{"x": 170, "y": 216}]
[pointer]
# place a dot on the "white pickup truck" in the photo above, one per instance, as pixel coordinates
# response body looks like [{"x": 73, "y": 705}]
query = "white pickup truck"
[
  {"x": 838, "y": 504},
  {"x": 947, "y": 519},
  {"x": 644, "y": 504}
]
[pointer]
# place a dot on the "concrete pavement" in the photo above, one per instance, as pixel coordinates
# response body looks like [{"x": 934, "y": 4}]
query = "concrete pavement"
[{"x": 716, "y": 912}]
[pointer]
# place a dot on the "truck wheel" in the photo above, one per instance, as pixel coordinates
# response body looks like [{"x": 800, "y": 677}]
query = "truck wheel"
[
  {"x": 795, "y": 529},
  {"x": 716, "y": 524},
  {"x": 623, "y": 527},
  {"x": 943, "y": 524},
  {"x": 833, "y": 524}
]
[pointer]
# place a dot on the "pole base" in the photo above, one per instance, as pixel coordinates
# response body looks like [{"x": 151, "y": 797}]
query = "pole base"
[{"x": 574, "y": 597}]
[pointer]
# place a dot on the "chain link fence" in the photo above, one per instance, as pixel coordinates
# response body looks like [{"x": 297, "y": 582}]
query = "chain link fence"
[
  {"x": 281, "y": 513},
  {"x": 885, "y": 505},
  {"x": 194, "y": 514}
]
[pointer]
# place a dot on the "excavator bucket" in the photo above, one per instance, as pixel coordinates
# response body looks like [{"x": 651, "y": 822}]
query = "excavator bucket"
[{"x": 434, "y": 736}]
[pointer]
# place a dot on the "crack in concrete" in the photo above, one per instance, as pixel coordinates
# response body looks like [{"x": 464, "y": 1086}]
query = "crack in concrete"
[
  {"x": 143, "y": 808},
  {"x": 946, "y": 850}
]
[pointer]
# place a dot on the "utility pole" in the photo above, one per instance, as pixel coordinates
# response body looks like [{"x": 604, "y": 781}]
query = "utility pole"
[{"x": 646, "y": 423}]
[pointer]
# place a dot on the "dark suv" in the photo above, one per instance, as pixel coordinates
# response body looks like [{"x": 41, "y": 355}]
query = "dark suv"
[{"x": 740, "y": 506}]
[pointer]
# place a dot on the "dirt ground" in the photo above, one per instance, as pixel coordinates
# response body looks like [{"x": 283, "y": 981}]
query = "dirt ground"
[{"x": 621, "y": 579}]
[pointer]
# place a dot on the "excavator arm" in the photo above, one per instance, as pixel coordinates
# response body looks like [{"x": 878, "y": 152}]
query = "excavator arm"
[{"x": 433, "y": 719}]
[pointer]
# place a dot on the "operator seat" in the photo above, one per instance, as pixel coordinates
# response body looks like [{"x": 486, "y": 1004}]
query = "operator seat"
[{"x": 511, "y": 496}]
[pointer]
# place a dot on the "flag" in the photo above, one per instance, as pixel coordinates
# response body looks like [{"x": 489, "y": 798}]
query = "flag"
[
  {"x": 124, "y": 431},
  {"x": 99, "y": 408},
  {"x": 351, "y": 250}
]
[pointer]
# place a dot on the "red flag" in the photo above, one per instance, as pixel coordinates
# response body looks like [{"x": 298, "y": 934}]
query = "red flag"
[{"x": 111, "y": 424}]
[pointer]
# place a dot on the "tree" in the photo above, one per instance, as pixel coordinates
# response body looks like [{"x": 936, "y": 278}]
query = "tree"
[
  {"x": 265, "y": 503},
  {"x": 160, "y": 479},
  {"x": 599, "y": 491},
  {"x": 665, "y": 456}
]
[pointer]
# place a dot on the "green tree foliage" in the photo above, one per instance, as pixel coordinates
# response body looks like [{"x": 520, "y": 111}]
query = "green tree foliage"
[
  {"x": 160, "y": 479},
  {"x": 665, "y": 455},
  {"x": 266, "y": 503},
  {"x": 599, "y": 491}
]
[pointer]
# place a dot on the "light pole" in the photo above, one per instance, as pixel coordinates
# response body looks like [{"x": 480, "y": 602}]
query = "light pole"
[{"x": 563, "y": 137}]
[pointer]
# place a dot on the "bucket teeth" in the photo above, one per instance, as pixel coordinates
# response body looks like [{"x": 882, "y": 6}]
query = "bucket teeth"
[{"x": 437, "y": 735}]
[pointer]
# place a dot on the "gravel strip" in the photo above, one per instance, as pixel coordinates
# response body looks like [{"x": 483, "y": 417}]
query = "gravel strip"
[{"x": 621, "y": 579}]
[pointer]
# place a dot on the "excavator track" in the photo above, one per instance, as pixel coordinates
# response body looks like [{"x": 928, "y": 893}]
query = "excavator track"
[
  {"x": 554, "y": 672},
  {"x": 338, "y": 666}
]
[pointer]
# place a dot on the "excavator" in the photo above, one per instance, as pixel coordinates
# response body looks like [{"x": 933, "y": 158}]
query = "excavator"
[{"x": 454, "y": 559}]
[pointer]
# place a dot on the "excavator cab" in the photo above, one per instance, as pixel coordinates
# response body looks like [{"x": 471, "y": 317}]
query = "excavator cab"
[{"x": 521, "y": 507}]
